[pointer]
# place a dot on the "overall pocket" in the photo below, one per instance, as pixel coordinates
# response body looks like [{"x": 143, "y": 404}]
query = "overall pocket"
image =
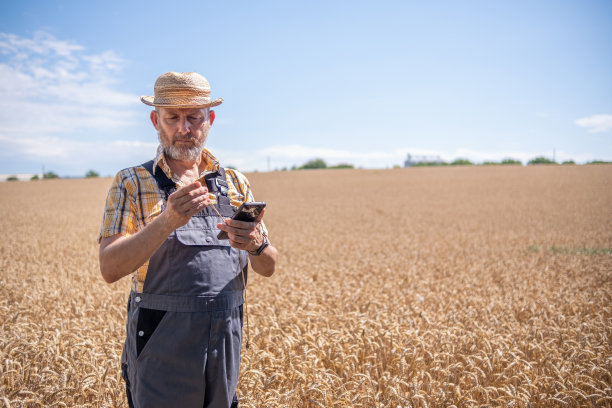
[{"x": 148, "y": 320}]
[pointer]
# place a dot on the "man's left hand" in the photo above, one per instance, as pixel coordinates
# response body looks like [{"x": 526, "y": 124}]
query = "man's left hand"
[{"x": 242, "y": 234}]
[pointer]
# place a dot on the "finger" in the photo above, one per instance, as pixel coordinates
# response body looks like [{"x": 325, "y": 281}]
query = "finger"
[
  {"x": 193, "y": 211},
  {"x": 200, "y": 202},
  {"x": 185, "y": 205},
  {"x": 232, "y": 230},
  {"x": 223, "y": 225},
  {"x": 241, "y": 224},
  {"x": 196, "y": 192},
  {"x": 186, "y": 197},
  {"x": 191, "y": 190},
  {"x": 189, "y": 187},
  {"x": 236, "y": 244},
  {"x": 240, "y": 239},
  {"x": 200, "y": 183},
  {"x": 196, "y": 207}
]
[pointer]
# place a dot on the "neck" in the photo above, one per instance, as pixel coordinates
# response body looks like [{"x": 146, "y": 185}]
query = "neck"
[{"x": 186, "y": 170}]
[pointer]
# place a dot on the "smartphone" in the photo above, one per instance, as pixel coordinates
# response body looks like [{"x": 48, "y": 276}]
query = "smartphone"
[{"x": 248, "y": 211}]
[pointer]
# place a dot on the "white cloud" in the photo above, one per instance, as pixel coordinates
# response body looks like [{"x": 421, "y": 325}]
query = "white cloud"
[
  {"x": 59, "y": 148},
  {"x": 595, "y": 123},
  {"x": 280, "y": 156},
  {"x": 41, "y": 43},
  {"x": 303, "y": 152},
  {"x": 75, "y": 157},
  {"x": 49, "y": 86}
]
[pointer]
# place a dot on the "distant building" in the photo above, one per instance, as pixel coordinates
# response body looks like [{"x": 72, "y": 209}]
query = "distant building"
[
  {"x": 416, "y": 160},
  {"x": 408, "y": 161}
]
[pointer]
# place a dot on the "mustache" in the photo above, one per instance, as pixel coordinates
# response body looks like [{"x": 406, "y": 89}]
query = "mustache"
[{"x": 185, "y": 138}]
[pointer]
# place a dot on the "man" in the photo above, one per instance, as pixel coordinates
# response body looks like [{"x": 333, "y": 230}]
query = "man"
[{"x": 184, "y": 325}]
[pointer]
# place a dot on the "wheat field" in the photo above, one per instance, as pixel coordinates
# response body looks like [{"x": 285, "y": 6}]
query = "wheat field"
[{"x": 420, "y": 287}]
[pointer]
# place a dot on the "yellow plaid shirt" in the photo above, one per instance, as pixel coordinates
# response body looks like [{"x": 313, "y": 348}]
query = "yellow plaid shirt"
[{"x": 134, "y": 200}]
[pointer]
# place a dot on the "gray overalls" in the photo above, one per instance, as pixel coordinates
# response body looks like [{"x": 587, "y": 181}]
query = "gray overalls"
[{"x": 184, "y": 330}]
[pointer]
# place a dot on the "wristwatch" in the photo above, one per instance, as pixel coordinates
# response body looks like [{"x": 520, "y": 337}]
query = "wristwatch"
[{"x": 263, "y": 246}]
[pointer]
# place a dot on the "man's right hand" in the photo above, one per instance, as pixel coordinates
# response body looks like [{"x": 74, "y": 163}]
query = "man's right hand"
[
  {"x": 120, "y": 255},
  {"x": 184, "y": 203}
]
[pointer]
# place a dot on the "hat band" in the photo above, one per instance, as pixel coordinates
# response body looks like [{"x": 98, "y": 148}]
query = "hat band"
[
  {"x": 185, "y": 92},
  {"x": 181, "y": 101}
]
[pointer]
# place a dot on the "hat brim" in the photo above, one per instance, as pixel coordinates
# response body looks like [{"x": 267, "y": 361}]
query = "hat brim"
[{"x": 150, "y": 100}]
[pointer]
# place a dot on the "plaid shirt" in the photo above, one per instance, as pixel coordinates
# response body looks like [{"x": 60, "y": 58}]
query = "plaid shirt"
[{"x": 134, "y": 200}]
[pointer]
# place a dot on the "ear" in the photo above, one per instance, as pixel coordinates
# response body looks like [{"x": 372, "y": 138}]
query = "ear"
[
  {"x": 154, "y": 118},
  {"x": 211, "y": 116}
]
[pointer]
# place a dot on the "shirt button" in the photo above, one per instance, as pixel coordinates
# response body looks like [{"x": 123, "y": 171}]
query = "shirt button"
[
  {"x": 209, "y": 239},
  {"x": 137, "y": 299},
  {"x": 141, "y": 333}
]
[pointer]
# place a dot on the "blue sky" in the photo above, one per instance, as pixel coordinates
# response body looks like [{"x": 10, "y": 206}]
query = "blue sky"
[{"x": 348, "y": 81}]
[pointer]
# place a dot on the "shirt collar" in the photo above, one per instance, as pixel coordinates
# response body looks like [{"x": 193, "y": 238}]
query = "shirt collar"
[{"x": 211, "y": 164}]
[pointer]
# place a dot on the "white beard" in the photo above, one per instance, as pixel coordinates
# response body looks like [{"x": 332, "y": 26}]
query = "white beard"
[{"x": 182, "y": 153}]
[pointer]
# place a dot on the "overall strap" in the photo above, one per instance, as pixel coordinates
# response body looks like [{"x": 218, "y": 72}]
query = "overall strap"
[
  {"x": 217, "y": 184},
  {"x": 164, "y": 183},
  {"x": 215, "y": 181}
]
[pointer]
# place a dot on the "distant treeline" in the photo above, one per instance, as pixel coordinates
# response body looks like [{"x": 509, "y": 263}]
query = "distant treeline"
[
  {"x": 467, "y": 162},
  {"x": 53, "y": 175},
  {"x": 321, "y": 164}
]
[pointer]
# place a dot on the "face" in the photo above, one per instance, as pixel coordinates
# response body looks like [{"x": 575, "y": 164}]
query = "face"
[{"x": 182, "y": 132}]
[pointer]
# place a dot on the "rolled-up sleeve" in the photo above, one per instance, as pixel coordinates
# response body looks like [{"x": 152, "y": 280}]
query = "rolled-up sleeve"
[{"x": 119, "y": 216}]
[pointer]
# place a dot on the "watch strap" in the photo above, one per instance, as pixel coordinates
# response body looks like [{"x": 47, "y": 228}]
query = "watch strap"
[{"x": 261, "y": 248}]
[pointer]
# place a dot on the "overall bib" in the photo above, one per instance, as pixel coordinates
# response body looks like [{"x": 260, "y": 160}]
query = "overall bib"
[{"x": 184, "y": 330}]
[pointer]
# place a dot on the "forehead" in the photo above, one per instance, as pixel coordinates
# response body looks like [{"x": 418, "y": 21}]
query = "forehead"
[{"x": 181, "y": 111}]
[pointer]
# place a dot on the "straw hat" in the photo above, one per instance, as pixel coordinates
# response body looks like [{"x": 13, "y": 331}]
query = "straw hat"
[{"x": 181, "y": 90}]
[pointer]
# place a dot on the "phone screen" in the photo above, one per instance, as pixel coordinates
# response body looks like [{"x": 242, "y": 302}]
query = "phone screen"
[{"x": 248, "y": 211}]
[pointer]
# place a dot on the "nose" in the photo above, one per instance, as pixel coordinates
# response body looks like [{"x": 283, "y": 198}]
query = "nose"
[{"x": 184, "y": 126}]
